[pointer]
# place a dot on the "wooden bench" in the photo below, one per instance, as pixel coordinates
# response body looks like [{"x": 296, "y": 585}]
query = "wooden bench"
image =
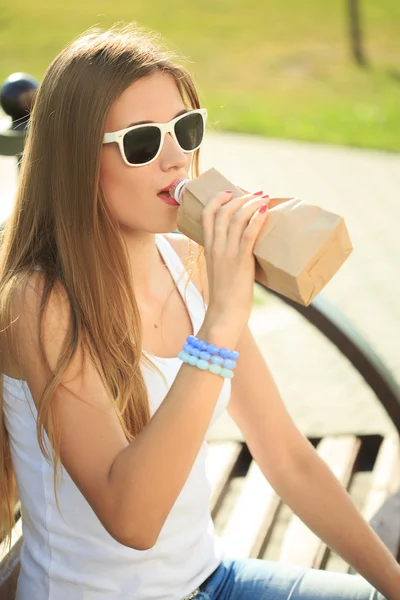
[
  {"x": 9, "y": 577},
  {"x": 254, "y": 522}
]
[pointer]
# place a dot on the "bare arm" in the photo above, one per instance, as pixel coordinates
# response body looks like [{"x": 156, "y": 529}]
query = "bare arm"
[
  {"x": 131, "y": 487},
  {"x": 159, "y": 460},
  {"x": 298, "y": 474}
]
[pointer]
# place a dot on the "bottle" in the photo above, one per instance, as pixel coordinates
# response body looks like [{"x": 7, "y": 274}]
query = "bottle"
[
  {"x": 299, "y": 248},
  {"x": 176, "y": 190}
]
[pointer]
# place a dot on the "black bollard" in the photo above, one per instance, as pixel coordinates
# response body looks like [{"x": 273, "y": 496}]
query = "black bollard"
[{"x": 17, "y": 95}]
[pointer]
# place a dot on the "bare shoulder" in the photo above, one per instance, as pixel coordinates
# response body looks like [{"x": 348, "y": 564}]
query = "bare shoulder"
[
  {"x": 180, "y": 243},
  {"x": 25, "y": 318},
  {"x": 28, "y": 296}
]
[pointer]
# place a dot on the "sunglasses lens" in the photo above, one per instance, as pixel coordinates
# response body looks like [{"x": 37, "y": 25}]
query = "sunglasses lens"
[
  {"x": 141, "y": 145},
  {"x": 189, "y": 131}
]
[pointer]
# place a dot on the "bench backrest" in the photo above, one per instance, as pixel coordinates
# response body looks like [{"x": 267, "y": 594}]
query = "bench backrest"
[{"x": 8, "y": 579}]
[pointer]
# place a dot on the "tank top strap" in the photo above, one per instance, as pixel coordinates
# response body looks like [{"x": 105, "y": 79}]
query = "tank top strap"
[{"x": 191, "y": 296}]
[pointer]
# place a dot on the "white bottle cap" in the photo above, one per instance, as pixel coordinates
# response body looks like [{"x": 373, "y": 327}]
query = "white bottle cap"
[{"x": 175, "y": 190}]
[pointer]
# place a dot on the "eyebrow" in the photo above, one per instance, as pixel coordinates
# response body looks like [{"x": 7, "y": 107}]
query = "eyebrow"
[{"x": 181, "y": 112}]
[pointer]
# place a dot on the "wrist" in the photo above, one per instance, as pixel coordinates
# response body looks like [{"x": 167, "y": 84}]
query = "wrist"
[{"x": 219, "y": 333}]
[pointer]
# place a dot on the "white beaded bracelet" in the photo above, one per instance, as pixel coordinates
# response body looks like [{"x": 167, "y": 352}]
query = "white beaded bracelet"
[{"x": 205, "y": 366}]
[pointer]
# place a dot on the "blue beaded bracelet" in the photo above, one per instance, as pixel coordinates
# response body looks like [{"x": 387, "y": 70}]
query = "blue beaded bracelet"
[
  {"x": 215, "y": 359},
  {"x": 205, "y": 366},
  {"x": 211, "y": 348},
  {"x": 197, "y": 353}
]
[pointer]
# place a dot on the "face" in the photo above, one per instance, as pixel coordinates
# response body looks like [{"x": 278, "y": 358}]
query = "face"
[{"x": 132, "y": 191}]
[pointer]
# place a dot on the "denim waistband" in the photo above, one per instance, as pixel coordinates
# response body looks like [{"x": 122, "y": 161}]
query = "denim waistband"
[{"x": 193, "y": 594}]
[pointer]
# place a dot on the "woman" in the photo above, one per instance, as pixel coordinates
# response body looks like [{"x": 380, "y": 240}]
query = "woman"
[{"x": 104, "y": 418}]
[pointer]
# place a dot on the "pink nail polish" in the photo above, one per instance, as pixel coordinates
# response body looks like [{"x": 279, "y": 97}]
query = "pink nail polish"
[
  {"x": 258, "y": 193},
  {"x": 266, "y": 196},
  {"x": 262, "y": 209}
]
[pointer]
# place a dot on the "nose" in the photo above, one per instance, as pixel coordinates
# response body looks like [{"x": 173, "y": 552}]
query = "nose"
[{"x": 172, "y": 155}]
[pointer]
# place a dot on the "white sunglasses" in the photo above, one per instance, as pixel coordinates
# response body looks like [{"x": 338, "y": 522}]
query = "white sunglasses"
[{"x": 141, "y": 144}]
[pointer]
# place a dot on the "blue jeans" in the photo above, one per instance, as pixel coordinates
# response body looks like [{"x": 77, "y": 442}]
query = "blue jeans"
[{"x": 256, "y": 579}]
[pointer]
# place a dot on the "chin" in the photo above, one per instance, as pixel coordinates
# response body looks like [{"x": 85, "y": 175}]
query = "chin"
[
  {"x": 163, "y": 225},
  {"x": 171, "y": 225}
]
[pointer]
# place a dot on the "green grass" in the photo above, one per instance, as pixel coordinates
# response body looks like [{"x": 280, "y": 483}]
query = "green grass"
[
  {"x": 280, "y": 69},
  {"x": 260, "y": 297}
]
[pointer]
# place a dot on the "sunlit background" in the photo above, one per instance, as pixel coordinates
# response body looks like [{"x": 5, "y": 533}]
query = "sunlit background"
[{"x": 284, "y": 69}]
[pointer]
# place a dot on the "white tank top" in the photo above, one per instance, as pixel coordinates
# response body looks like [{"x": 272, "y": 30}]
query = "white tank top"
[{"x": 72, "y": 557}]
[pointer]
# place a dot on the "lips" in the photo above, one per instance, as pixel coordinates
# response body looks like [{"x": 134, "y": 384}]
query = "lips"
[
  {"x": 166, "y": 189},
  {"x": 165, "y": 197}
]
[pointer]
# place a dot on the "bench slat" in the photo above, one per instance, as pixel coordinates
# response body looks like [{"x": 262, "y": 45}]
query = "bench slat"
[
  {"x": 254, "y": 513},
  {"x": 221, "y": 459},
  {"x": 300, "y": 545},
  {"x": 16, "y": 534},
  {"x": 9, "y": 577}
]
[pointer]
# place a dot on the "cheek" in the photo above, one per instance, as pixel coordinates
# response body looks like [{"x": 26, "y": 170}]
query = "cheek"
[
  {"x": 112, "y": 171},
  {"x": 118, "y": 183}
]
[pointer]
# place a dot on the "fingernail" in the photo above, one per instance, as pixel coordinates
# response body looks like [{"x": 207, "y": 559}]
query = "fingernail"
[
  {"x": 262, "y": 209},
  {"x": 266, "y": 196},
  {"x": 228, "y": 191},
  {"x": 258, "y": 193}
]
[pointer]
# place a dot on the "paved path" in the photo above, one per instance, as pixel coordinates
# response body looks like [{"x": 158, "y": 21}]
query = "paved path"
[{"x": 322, "y": 392}]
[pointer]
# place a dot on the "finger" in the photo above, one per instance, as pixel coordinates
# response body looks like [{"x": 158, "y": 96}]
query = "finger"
[
  {"x": 236, "y": 203},
  {"x": 241, "y": 220},
  {"x": 208, "y": 215},
  {"x": 224, "y": 215},
  {"x": 254, "y": 227}
]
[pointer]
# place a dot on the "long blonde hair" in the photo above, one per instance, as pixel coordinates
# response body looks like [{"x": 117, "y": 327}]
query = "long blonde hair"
[{"x": 61, "y": 222}]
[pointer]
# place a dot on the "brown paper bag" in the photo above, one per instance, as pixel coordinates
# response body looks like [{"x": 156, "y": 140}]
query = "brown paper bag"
[{"x": 299, "y": 249}]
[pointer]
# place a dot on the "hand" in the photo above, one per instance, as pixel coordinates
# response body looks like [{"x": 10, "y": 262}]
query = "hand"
[{"x": 230, "y": 231}]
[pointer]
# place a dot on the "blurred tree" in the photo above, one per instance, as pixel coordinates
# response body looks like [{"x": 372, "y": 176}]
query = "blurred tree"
[{"x": 356, "y": 33}]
